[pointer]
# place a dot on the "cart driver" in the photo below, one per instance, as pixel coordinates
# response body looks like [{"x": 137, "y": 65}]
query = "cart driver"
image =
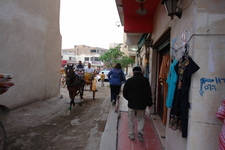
[
  {"x": 89, "y": 76},
  {"x": 89, "y": 69}
]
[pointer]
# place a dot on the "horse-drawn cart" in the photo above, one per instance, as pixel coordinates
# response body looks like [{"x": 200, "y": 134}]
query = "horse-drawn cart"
[
  {"x": 88, "y": 77},
  {"x": 78, "y": 82}
]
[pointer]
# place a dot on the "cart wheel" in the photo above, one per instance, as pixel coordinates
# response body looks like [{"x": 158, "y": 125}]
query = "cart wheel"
[
  {"x": 2, "y": 136},
  {"x": 64, "y": 85},
  {"x": 63, "y": 81}
]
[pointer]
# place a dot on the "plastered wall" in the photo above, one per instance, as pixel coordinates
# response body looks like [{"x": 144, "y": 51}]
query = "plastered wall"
[
  {"x": 209, "y": 51},
  {"x": 30, "y": 44},
  {"x": 202, "y": 27}
]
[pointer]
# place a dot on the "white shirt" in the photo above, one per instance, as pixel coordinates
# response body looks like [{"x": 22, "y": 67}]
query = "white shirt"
[{"x": 90, "y": 70}]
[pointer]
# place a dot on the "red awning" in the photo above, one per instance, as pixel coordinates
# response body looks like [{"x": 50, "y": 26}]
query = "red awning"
[
  {"x": 63, "y": 62},
  {"x": 133, "y": 22}
]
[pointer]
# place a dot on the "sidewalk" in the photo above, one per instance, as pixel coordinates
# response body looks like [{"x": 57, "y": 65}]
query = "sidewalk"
[{"x": 115, "y": 136}]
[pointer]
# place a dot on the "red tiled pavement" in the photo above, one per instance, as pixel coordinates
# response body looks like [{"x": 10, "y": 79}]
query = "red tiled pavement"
[{"x": 151, "y": 139}]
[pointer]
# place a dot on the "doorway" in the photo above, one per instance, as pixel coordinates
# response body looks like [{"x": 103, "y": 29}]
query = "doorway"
[
  {"x": 162, "y": 48},
  {"x": 164, "y": 60}
]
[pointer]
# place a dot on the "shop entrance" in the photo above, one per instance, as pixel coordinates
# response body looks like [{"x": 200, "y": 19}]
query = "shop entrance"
[
  {"x": 164, "y": 58},
  {"x": 163, "y": 62}
]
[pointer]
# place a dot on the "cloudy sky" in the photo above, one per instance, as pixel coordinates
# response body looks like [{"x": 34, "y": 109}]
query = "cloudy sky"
[{"x": 89, "y": 22}]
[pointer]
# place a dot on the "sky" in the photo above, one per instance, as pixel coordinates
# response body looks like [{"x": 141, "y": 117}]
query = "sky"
[{"x": 89, "y": 22}]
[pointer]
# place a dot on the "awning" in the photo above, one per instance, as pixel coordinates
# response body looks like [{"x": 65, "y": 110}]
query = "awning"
[
  {"x": 133, "y": 22},
  {"x": 63, "y": 62}
]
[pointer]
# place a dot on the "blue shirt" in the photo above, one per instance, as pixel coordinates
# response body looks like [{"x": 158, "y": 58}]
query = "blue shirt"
[
  {"x": 80, "y": 67},
  {"x": 115, "y": 77},
  {"x": 172, "y": 81}
]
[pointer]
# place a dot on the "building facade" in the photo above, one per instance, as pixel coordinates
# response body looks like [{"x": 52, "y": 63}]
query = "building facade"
[
  {"x": 198, "y": 34},
  {"x": 84, "y": 53}
]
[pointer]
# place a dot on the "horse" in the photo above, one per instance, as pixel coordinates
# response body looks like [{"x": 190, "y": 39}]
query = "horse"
[{"x": 75, "y": 85}]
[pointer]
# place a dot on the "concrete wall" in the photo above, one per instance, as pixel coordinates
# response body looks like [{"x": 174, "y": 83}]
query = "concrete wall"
[
  {"x": 30, "y": 50},
  {"x": 202, "y": 26}
]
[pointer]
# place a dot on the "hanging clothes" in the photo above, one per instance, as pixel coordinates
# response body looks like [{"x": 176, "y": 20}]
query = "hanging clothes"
[
  {"x": 179, "y": 111},
  {"x": 220, "y": 114},
  {"x": 164, "y": 68},
  {"x": 171, "y": 81}
]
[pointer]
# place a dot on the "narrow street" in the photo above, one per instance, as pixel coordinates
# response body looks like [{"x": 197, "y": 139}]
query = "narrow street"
[{"x": 45, "y": 124}]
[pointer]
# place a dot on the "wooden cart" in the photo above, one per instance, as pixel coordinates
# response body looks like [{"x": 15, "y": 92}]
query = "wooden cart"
[{"x": 91, "y": 82}]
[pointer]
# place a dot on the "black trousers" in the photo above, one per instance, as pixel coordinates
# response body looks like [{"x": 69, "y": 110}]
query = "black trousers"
[{"x": 115, "y": 90}]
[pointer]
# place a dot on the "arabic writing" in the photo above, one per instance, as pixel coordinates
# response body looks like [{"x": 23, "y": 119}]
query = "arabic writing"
[{"x": 206, "y": 84}]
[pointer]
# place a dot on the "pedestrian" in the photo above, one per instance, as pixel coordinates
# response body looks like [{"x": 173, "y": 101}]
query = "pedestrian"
[
  {"x": 102, "y": 79},
  {"x": 115, "y": 77},
  {"x": 137, "y": 92}
]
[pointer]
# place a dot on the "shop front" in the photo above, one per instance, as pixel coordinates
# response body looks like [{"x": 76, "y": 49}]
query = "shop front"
[{"x": 190, "y": 43}]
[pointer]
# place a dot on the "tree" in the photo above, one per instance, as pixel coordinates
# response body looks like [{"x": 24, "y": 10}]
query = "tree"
[{"x": 113, "y": 56}]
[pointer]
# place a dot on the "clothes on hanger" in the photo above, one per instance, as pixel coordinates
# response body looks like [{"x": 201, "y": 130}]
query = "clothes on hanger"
[
  {"x": 164, "y": 69},
  {"x": 171, "y": 81},
  {"x": 185, "y": 68}
]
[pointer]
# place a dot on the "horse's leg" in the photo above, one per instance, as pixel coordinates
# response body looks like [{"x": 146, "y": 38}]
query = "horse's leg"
[
  {"x": 79, "y": 92},
  {"x": 69, "y": 109},
  {"x": 72, "y": 103},
  {"x": 74, "y": 94},
  {"x": 82, "y": 91}
]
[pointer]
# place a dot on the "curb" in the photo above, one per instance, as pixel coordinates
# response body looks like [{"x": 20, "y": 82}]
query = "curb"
[{"x": 109, "y": 136}]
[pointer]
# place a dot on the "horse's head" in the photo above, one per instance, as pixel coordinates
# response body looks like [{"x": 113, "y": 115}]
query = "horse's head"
[
  {"x": 69, "y": 71},
  {"x": 72, "y": 79}
]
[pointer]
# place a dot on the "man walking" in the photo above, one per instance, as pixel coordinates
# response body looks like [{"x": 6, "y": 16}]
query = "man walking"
[{"x": 137, "y": 92}]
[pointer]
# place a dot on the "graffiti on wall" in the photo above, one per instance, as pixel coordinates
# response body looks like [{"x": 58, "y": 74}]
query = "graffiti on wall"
[
  {"x": 209, "y": 84},
  {"x": 174, "y": 47}
]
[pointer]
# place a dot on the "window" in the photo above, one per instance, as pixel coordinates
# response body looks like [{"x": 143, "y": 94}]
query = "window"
[
  {"x": 96, "y": 59},
  {"x": 86, "y": 58},
  {"x": 72, "y": 58},
  {"x": 93, "y": 51}
]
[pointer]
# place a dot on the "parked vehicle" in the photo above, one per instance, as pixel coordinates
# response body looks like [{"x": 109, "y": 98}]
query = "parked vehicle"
[{"x": 106, "y": 75}]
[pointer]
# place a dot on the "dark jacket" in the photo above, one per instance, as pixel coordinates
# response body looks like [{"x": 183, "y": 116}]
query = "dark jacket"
[{"x": 137, "y": 92}]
